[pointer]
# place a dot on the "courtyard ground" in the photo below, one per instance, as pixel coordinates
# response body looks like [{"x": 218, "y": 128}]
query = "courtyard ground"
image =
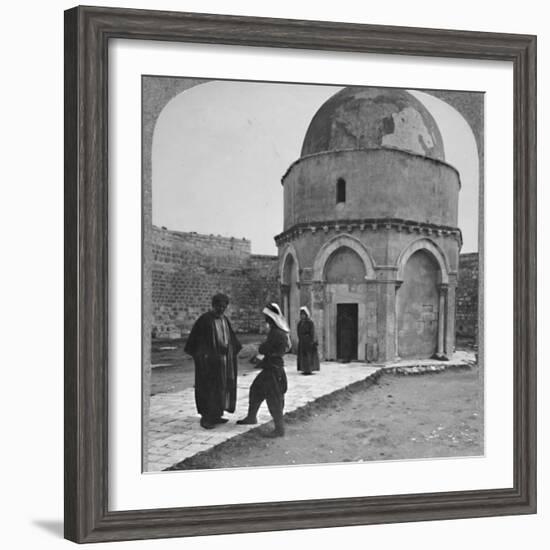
[
  {"x": 373, "y": 415},
  {"x": 173, "y": 370},
  {"x": 396, "y": 417}
]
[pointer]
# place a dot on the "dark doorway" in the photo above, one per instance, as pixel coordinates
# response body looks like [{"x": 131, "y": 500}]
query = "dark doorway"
[{"x": 346, "y": 332}]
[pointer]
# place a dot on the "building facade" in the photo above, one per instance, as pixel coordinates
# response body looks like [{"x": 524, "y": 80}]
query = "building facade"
[{"x": 370, "y": 241}]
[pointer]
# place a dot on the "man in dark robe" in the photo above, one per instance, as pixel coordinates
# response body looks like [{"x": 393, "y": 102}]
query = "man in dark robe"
[{"x": 214, "y": 348}]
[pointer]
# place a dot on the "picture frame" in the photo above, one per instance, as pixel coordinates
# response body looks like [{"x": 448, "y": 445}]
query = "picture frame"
[{"x": 87, "y": 34}]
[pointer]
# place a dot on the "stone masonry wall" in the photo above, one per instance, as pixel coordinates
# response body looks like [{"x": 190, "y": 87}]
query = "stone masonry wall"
[
  {"x": 189, "y": 268},
  {"x": 467, "y": 295}
]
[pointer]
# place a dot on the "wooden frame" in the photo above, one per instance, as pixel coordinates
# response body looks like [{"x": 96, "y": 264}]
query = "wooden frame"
[{"x": 87, "y": 34}]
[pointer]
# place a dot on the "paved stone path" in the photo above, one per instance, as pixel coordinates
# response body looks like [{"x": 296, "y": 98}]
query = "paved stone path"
[
  {"x": 174, "y": 430},
  {"x": 412, "y": 366}
]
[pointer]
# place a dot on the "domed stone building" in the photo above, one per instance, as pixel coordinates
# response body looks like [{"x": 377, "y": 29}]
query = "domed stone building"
[{"x": 370, "y": 241}]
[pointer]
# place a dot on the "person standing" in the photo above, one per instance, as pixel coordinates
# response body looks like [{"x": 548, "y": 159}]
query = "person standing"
[
  {"x": 271, "y": 383},
  {"x": 214, "y": 348},
  {"x": 308, "y": 358}
]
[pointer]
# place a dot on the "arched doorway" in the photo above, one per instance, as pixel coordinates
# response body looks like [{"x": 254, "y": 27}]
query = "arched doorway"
[
  {"x": 345, "y": 286},
  {"x": 418, "y": 301}
]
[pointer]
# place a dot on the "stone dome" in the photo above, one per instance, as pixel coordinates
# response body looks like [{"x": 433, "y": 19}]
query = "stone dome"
[{"x": 364, "y": 118}]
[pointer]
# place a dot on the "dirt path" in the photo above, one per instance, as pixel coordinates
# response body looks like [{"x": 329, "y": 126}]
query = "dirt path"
[{"x": 426, "y": 416}]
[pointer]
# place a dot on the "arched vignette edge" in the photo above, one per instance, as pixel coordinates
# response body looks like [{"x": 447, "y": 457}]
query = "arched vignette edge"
[{"x": 87, "y": 33}]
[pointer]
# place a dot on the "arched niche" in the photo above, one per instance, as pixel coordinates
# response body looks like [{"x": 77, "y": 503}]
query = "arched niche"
[
  {"x": 429, "y": 246},
  {"x": 331, "y": 246},
  {"x": 289, "y": 254},
  {"x": 290, "y": 292},
  {"x": 344, "y": 266},
  {"x": 418, "y": 306}
]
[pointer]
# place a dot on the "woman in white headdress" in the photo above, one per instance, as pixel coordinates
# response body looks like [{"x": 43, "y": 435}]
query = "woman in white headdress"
[
  {"x": 271, "y": 384},
  {"x": 308, "y": 358}
]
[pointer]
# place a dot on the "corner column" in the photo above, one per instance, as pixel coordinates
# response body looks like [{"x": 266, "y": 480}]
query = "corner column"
[
  {"x": 442, "y": 322},
  {"x": 397, "y": 287},
  {"x": 387, "y": 313},
  {"x": 318, "y": 305},
  {"x": 450, "y": 316},
  {"x": 285, "y": 298}
]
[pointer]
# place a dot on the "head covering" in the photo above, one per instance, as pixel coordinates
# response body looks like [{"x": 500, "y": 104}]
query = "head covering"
[
  {"x": 220, "y": 298},
  {"x": 273, "y": 311},
  {"x": 306, "y": 311}
]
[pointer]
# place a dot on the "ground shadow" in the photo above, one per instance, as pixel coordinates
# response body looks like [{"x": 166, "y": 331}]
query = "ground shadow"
[{"x": 52, "y": 526}]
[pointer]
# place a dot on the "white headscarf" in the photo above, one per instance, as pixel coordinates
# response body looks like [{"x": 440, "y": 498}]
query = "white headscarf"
[
  {"x": 273, "y": 311},
  {"x": 306, "y": 311}
]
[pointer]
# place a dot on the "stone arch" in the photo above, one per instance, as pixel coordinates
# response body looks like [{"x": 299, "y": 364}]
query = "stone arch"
[
  {"x": 289, "y": 252},
  {"x": 469, "y": 108},
  {"x": 334, "y": 244},
  {"x": 425, "y": 245},
  {"x": 157, "y": 93},
  {"x": 289, "y": 277},
  {"x": 344, "y": 266}
]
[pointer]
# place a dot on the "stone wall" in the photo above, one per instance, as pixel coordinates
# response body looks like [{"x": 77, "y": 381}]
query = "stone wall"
[
  {"x": 189, "y": 268},
  {"x": 381, "y": 183},
  {"x": 467, "y": 295}
]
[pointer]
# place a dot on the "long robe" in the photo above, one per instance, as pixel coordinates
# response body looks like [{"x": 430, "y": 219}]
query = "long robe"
[
  {"x": 308, "y": 358},
  {"x": 215, "y": 365}
]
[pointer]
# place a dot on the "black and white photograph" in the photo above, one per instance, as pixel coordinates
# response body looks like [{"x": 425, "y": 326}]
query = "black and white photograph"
[
  {"x": 311, "y": 273},
  {"x": 274, "y": 275}
]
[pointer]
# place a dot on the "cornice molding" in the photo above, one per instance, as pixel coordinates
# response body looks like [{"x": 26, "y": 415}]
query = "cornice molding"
[{"x": 370, "y": 224}]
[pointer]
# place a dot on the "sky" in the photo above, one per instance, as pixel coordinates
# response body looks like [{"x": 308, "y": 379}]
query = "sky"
[{"x": 221, "y": 148}]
